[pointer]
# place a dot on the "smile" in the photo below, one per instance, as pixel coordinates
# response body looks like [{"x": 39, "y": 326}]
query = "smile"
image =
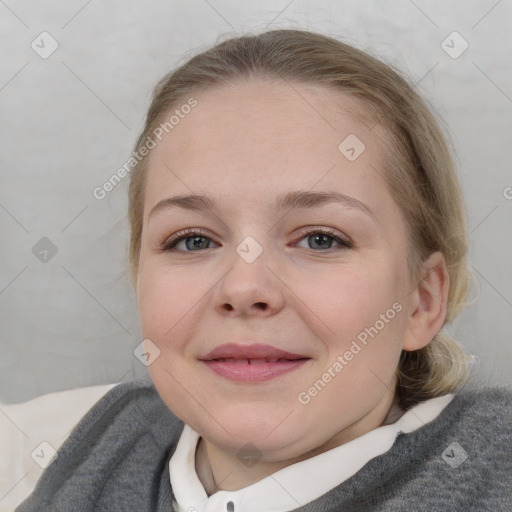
[
  {"x": 253, "y": 370},
  {"x": 252, "y": 363}
]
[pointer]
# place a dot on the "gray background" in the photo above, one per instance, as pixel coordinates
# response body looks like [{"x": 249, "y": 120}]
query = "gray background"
[{"x": 69, "y": 122}]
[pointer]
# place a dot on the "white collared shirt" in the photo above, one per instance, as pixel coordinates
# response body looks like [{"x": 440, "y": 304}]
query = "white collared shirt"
[{"x": 292, "y": 487}]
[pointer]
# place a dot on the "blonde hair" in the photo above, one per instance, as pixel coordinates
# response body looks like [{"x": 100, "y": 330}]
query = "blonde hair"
[{"x": 419, "y": 169}]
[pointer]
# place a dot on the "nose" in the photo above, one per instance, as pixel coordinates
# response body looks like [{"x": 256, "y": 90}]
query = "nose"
[{"x": 249, "y": 289}]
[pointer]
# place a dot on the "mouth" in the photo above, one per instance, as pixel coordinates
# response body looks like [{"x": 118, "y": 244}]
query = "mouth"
[
  {"x": 253, "y": 360},
  {"x": 252, "y": 363}
]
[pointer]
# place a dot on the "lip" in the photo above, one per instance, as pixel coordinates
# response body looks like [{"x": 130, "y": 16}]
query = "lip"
[
  {"x": 254, "y": 351},
  {"x": 252, "y": 363}
]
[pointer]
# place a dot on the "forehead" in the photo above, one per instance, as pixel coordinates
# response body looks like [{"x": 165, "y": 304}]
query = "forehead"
[
  {"x": 275, "y": 114},
  {"x": 257, "y": 138}
]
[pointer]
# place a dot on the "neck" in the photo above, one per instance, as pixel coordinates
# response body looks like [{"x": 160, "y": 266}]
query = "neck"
[
  {"x": 219, "y": 470},
  {"x": 227, "y": 472}
]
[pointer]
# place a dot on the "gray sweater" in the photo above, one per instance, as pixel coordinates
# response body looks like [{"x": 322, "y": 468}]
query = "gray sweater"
[{"x": 116, "y": 460}]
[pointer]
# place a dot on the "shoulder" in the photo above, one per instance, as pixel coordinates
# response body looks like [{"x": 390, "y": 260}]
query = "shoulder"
[
  {"x": 58, "y": 411},
  {"x": 129, "y": 431},
  {"x": 462, "y": 459},
  {"x": 474, "y": 431},
  {"x": 483, "y": 407},
  {"x": 32, "y": 431},
  {"x": 132, "y": 406}
]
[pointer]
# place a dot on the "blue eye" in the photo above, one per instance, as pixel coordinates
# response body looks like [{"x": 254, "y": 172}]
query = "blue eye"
[
  {"x": 323, "y": 239},
  {"x": 195, "y": 240}
]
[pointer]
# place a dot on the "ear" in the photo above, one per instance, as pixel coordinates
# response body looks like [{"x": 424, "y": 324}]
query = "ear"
[{"x": 428, "y": 303}]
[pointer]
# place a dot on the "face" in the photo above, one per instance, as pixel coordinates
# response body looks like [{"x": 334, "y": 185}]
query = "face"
[{"x": 324, "y": 280}]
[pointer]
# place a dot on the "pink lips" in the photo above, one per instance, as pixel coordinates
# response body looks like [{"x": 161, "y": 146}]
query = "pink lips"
[{"x": 251, "y": 363}]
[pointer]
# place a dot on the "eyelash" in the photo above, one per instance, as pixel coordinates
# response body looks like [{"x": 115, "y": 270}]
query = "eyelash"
[{"x": 169, "y": 245}]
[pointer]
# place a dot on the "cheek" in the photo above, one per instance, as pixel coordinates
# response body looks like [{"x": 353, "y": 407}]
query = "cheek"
[
  {"x": 165, "y": 298},
  {"x": 362, "y": 322},
  {"x": 347, "y": 299}
]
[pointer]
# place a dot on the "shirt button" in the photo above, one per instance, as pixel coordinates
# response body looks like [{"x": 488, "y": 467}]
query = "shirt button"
[{"x": 230, "y": 506}]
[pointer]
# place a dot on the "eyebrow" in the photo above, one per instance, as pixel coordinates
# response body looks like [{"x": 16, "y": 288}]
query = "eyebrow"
[{"x": 299, "y": 199}]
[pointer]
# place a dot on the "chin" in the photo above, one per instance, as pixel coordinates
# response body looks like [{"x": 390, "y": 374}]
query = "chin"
[{"x": 269, "y": 433}]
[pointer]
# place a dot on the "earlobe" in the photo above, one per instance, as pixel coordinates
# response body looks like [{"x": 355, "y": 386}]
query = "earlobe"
[{"x": 431, "y": 298}]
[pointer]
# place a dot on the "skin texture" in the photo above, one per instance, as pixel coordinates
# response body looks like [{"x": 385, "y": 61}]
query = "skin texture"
[{"x": 244, "y": 145}]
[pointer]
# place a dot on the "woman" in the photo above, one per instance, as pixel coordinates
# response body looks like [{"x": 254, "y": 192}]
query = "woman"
[{"x": 298, "y": 242}]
